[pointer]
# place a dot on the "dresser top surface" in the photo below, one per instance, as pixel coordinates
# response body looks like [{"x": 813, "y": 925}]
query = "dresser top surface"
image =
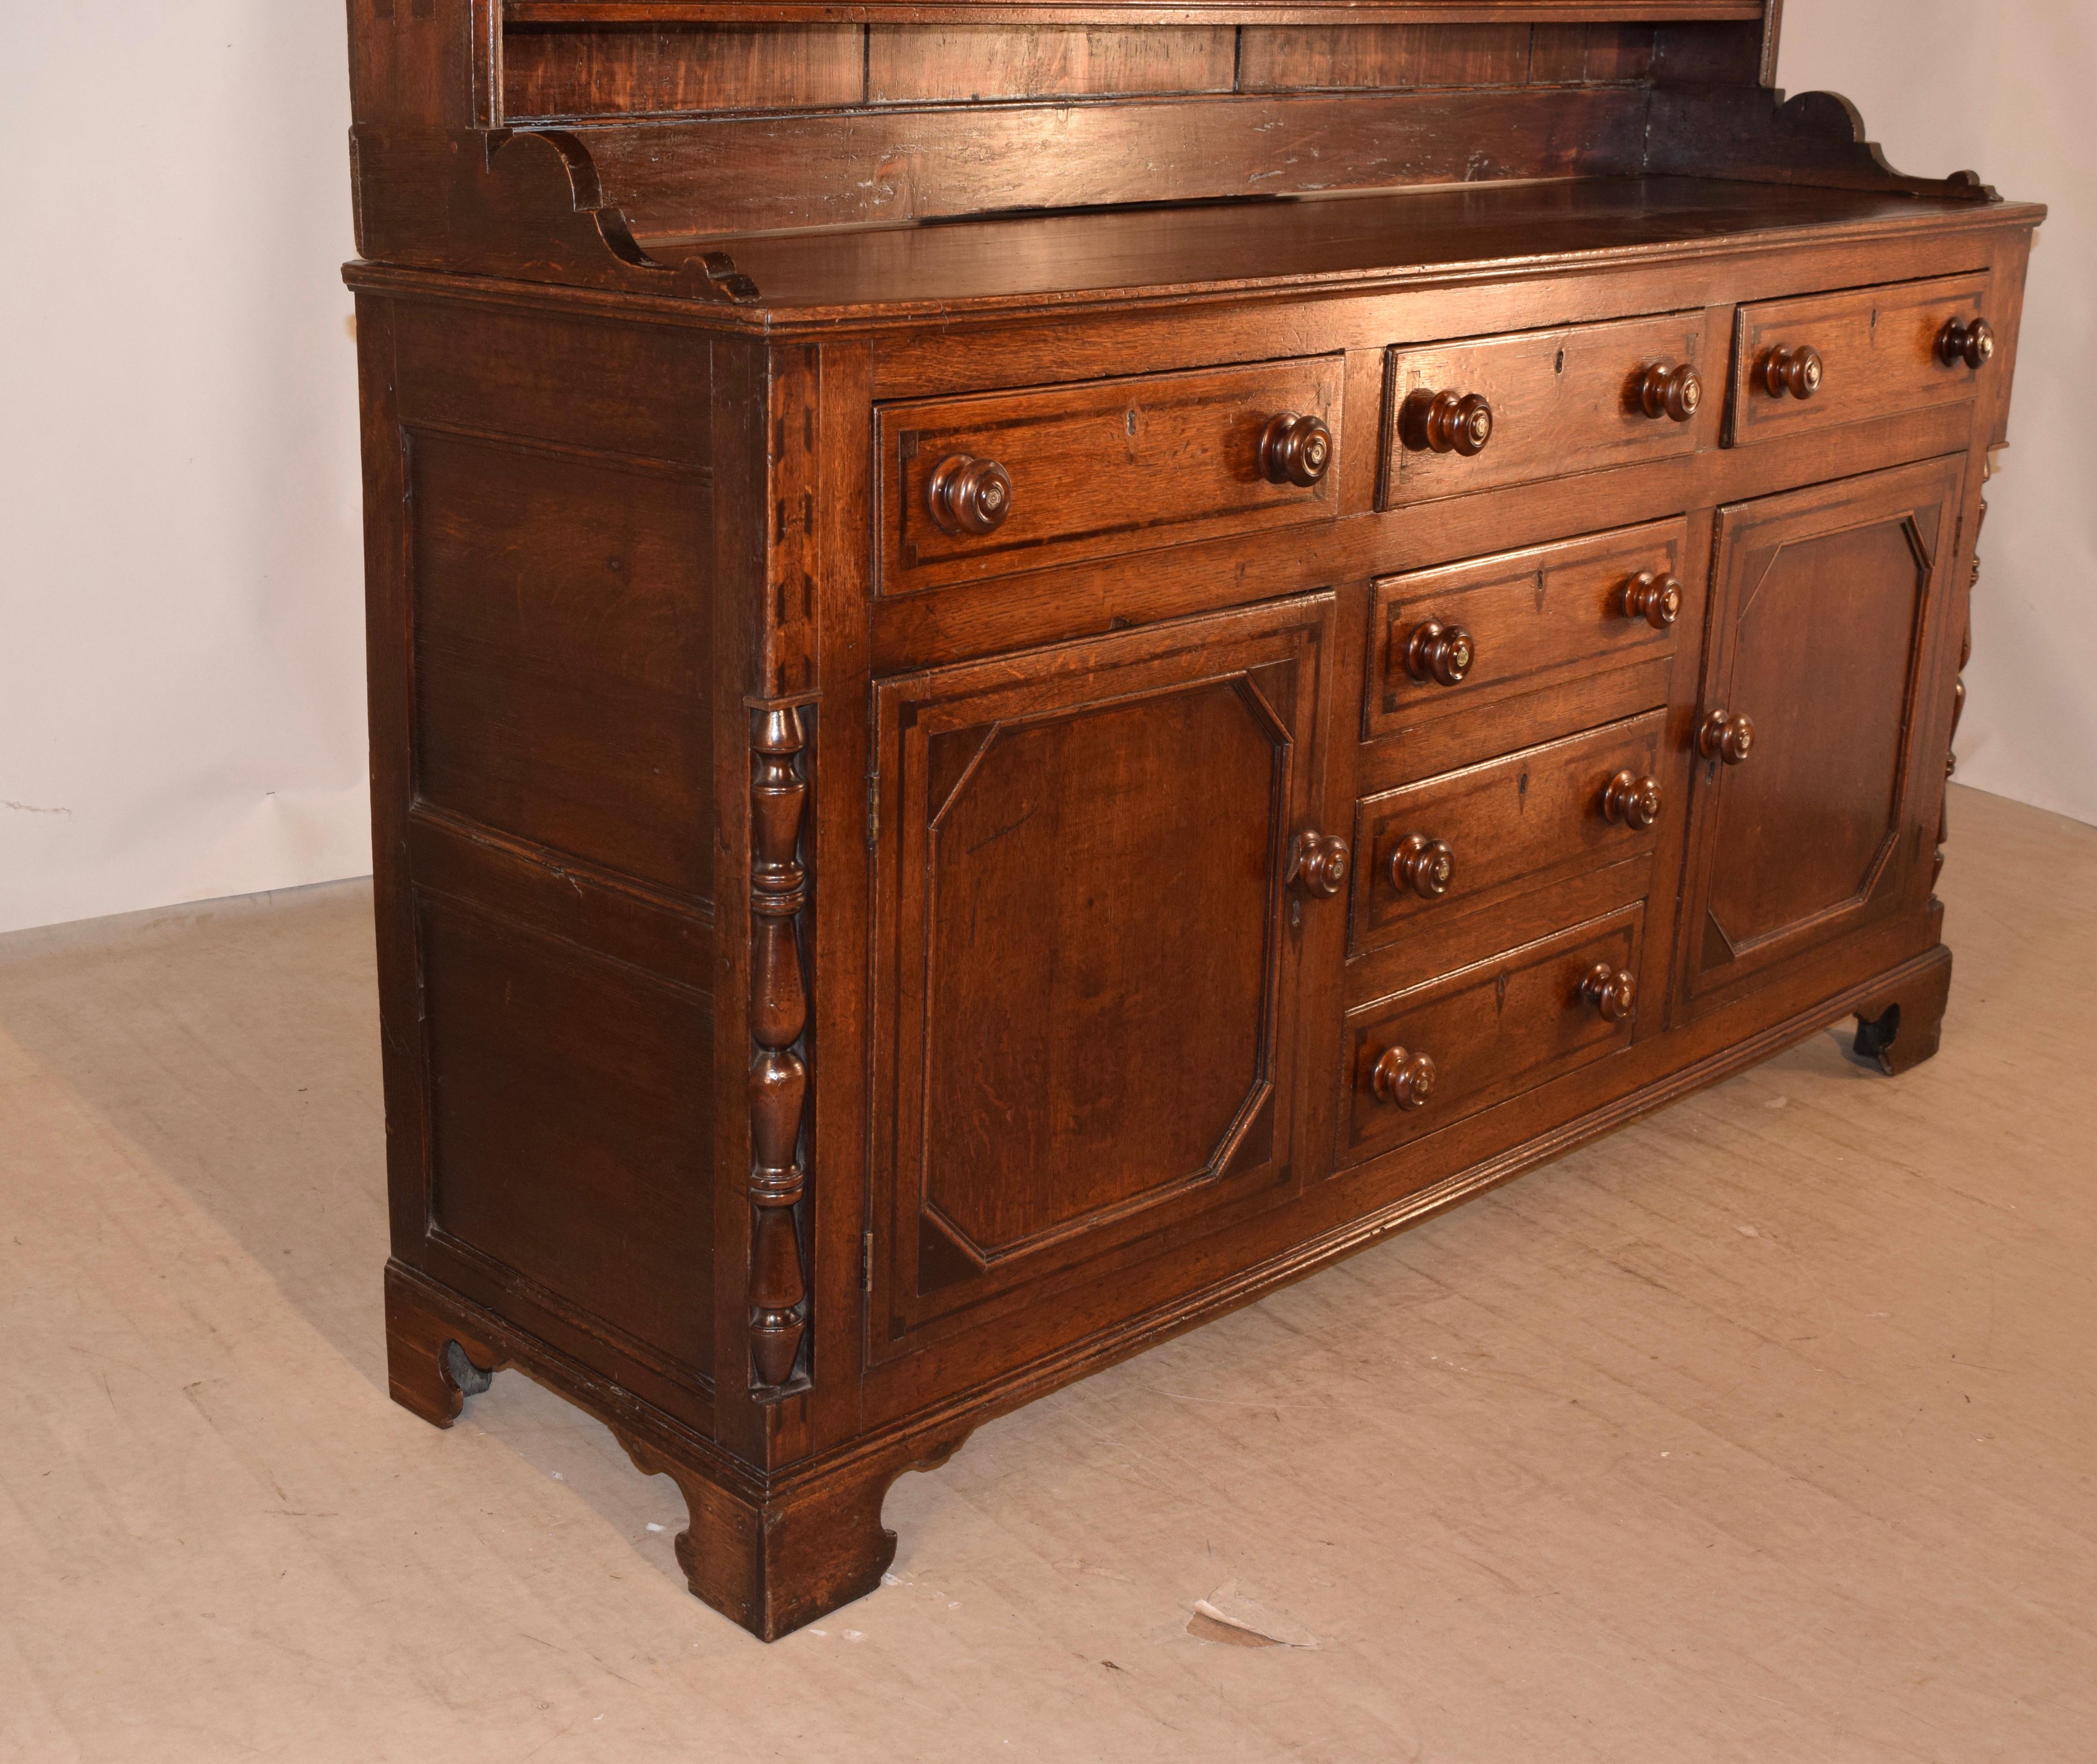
[{"x": 1105, "y": 257}]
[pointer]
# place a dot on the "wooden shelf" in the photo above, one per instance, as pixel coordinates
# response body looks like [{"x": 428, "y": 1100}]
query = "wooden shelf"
[
  {"x": 1114, "y": 12},
  {"x": 1367, "y": 239}
]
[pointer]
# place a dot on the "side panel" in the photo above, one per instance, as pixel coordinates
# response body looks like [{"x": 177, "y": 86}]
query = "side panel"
[{"x": 542, "y": 660}]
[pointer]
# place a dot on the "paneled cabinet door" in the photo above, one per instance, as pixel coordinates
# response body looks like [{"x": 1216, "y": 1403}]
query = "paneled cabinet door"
[
  {"x": 1819, "y": 745},
  {"x": 1087, "y": 951}
]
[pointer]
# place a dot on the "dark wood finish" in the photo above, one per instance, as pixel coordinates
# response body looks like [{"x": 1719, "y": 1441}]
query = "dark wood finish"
[
  {"x": 1021, "y": 686},
  {"x": 1490, "y": 1030},
  {"x": 1529, "y": 622},
  {"x": 985, "y": 486},
  {"x": 1826, "y": 605},
  {"x": 1540, "y": 816},
  {"x": 1038, "y": 845},
  {"x": 1836, "y": 358},
  {"x": 1470, "y": 416},
  {"x": 778, "y": 1021}
]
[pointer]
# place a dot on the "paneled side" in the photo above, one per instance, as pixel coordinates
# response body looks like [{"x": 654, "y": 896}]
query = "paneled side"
[
  {"x": 561, "y": 652},
  {"x": 557, "y": 654},
  {"x": 571, "y": 1130}
]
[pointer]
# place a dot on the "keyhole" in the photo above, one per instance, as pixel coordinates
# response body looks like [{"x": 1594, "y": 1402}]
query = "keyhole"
[{"x": 1562, "y": 360}]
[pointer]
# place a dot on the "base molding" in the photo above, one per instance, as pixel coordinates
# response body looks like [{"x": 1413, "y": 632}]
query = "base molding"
[{"x": 774, "y": 1551}]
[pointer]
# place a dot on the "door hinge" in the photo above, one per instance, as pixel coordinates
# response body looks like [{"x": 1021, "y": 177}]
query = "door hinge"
[
  {"x": 873, "y": 810},
  {"x": 866, "y": 1262}
]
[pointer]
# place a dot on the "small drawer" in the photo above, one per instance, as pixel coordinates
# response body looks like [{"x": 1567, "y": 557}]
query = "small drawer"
[
  {"x": 1815, "y": 363},
  {"x": 1000, "y": 482},
  {"x": 1439, "y": 1053},
  {"x": 1505, "y": 632},
  {"x": 1475, "y": 415},
  {"x": 1463, "y": 843}
]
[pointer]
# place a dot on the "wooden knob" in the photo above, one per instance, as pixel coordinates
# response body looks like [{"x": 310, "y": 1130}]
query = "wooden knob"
[
  {"x": 1295, "y": 450},
  {"x": 1612, "y": 991},
  {"x": 1424, "y": 866},
  {"x": 1656, "y": 599},
  {"x": 1796, "y": 370},
  {"x": 1318, "y": 864},
  {"x": 1404, "y": 1080},
  {"x": 1446, "y": 423},
  {"x": 970, "y": 496},
  {"x": 1725, "y": 736},
  {"x": 1670, "y": 391},
  {"x": 1440, "y": 653},
  {"x": 1632, "y": 799},
  {"x": 1971, "y": 341}
]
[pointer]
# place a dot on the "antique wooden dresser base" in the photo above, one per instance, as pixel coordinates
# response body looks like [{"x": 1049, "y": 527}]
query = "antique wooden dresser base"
[{"x": 953, "y": 798}]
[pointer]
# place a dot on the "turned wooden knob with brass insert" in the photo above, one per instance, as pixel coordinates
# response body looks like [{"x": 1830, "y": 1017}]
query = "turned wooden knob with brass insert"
[
  {"x": 1612, "y": 991},
  {"x": 1631, "y": 799},
  {"x": 1726, "y": 737},
  {"x": 1440, "y": 653},
  {"x": 1404, "y": 1080},
  {"x": 1971, "y": 341},
  {"x": 1676, "y": 392},
  {"x": 970, "y": 496},
  {"x": 1796, "y": 370},
  {"x": 1318, "y": 864},
  {"x": 1423, "y": 866},
  {"x": 1446, "y": 423},
  {"x": 1656, "y": 599},
  {"x": 1294, "y": 450}
]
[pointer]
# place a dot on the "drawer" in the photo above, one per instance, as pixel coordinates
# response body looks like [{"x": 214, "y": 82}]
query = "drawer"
[
  {"x": 1000, "y": 482},
  {"x": 1559, "y": 402},
  {"x": 1453, "y": 846},
  {"x": 1530, "y": 625},
  {"x": 1868, "y": 352},
  {"x": 1437, "y": 1054}
]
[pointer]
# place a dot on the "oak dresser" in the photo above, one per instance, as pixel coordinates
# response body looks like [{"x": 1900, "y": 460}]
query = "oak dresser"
[{"x": 1036, "y": 665}]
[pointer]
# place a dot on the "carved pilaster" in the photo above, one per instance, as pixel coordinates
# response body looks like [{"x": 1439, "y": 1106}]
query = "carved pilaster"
[
  {"x": 778, "y": 1071},
  {"x": 1957, "y": 702}
]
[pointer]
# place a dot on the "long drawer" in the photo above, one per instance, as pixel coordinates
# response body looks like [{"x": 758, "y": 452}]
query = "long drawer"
[{"x": 999, "y": 482}]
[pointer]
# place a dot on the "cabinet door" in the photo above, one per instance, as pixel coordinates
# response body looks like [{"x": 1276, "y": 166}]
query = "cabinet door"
[
  {"x": 1087, "y": 953},
  {"x": 1825, "y": 610}
]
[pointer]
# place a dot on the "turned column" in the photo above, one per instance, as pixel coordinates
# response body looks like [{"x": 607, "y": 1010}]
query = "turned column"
[{"x": 778, "y": 1071}]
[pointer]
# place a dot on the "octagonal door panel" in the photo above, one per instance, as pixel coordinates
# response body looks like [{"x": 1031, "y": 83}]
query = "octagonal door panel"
[
  {"x": 1824, "y": 617},
  {"x": 1086, "y": 958}
]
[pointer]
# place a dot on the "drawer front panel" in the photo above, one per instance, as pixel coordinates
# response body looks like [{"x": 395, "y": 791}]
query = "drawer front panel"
[
  {"x": 1533, "y": 620},
  {"x": 1460, "y": 844},
  {"x": 1877, "y": 354},
  {"x": 1561, "y": 401},
  {"x": 1487, "y": 1033},
  {"x": 1101, "y": 469}
]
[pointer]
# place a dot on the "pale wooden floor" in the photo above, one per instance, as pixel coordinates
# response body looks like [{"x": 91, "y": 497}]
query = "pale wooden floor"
[{"x": 1765, "y": 1430}]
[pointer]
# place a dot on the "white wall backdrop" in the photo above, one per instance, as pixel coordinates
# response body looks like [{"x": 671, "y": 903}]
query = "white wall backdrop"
[
  {"x": 2009, "y": 89},
  {"x": 180, "y": 644}
]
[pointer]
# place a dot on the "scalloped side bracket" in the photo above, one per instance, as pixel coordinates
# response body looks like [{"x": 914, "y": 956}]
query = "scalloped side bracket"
[
  {"x": 1753, "y": 133},
  {"x": 526, "y": 204}
]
